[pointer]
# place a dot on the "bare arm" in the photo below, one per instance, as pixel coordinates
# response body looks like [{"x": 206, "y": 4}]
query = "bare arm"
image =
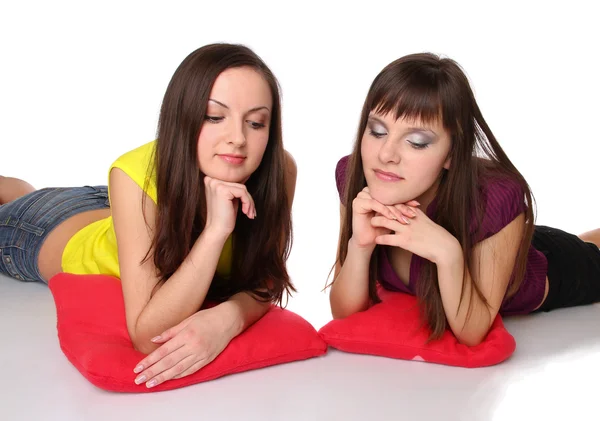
[
  {"x": 349, "y": 293},
  {"x": 494, "y": 261},
  {"x": 148, "y": 315},
  {"x": 244, "y": 308}
]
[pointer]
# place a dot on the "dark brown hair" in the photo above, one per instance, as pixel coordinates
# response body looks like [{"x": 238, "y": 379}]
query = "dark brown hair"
[
  {"x": 430, "y": 88},
  {"x": 261, "y": 246}
]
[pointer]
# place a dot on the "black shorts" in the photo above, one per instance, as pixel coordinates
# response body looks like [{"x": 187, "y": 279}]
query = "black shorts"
[{"x": 573, "y": 268}]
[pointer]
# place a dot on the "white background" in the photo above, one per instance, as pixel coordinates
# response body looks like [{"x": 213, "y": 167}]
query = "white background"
[{"x": 82, "y": 84}]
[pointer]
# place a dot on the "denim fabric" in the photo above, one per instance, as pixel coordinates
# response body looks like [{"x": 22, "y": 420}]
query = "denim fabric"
[{"x": 26, "y": 222}]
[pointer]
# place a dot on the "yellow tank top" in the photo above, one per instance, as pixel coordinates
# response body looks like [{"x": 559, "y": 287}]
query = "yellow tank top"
[{"x": 93, "y": 249}]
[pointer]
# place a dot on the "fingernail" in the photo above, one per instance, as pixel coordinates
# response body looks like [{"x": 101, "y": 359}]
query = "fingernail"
[
  {"x": 405, "y": 220},
  {"x": 156, "y": 338},
  {"x": 138, "y": 368},
  {"x": 140, "y": 379},
  {"x": 151, "y": 383},
  {"x": 413, "y": 213}
]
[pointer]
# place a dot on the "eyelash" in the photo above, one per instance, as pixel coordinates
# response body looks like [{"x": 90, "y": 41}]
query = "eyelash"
[
  {"x": 417, "y": 146},
  {"x": 255, "y": 125},
  {"x": 212, "y": 119},
  {"x": 215, "y": 120},
  {"x": 375, "y": 134}
]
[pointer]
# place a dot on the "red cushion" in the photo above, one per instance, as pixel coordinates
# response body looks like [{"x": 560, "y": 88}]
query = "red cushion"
[
  {"x": 93, "y": 335},
  {"x": 393, "y": 328}
]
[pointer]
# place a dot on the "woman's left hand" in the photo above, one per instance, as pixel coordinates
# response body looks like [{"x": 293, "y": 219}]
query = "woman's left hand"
[
  {"x": 187, "y": 347},
  {"x": 420, "y": 236}
]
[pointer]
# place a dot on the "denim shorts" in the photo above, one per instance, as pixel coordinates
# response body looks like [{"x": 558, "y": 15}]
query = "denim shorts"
[{"x": 26, "y": 222}]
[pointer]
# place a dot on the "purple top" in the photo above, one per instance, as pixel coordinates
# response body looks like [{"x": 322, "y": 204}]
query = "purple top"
[{"x": 504, "y": 201}]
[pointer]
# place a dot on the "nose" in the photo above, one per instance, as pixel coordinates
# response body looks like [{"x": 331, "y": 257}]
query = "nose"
[
  {"x": 237, "y": 137},
  {"x": 388, "y": 153}
]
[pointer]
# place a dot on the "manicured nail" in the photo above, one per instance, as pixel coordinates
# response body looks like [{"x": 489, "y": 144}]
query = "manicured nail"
[
  {"x": 405, "y": 220},
  {"x": 138, "y": 369},
  {"x": 412, "y": 212},
  {"x": 151, "y": 383},
  {"x": 155, "y": 339},
  {"x": 140, "y": 379}
]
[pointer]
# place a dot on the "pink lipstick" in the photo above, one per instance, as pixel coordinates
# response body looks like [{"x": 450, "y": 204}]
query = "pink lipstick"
[
  {"x": 232, "y": 158},
  {"x": 387, "y": 176}
]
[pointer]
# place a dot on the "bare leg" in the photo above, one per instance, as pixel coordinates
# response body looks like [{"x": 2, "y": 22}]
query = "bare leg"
[
  {"x": 591, "y": 237},
  {"x": 13, "y": 188}
]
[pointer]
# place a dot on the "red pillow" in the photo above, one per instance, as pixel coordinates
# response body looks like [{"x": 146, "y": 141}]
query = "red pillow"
[
  {"x": 393, "y": 328},
  {"x": 93, "y": 335}
]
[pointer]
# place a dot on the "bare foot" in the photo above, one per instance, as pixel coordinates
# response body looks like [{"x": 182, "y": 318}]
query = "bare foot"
[
  {"x": 591, "y": 237},
  {"x": 13, "y": 188}
]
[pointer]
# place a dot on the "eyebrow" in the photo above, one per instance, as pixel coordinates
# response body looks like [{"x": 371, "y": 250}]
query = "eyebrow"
[
  {"x": 249, "y": 111},
  {"x": 410, "y": 129}
]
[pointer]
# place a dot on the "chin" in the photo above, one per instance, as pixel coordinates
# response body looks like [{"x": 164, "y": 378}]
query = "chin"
[
  {"x": 226, "y": 175},
  {"x": 389, "y": 198},
  {"x": 238, "y": 179}
]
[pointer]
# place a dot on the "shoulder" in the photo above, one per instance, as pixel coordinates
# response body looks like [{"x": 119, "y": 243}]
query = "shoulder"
[
  {"x": 291, "y": 170},
  {"x": 341, "y": 170},
  {"x": 140, "y": 154},
  {"x": 341, "y": 166},
  {"x": 136, "y": 163},
  {"x": 290, "y": 164},
  {"x": 502, "y": 200},
  {"x": 502, "y": 193}
]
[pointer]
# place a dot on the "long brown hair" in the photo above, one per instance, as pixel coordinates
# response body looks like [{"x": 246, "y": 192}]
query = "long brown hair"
[
  {"x": 427, "y": 87},
  {"x": 261, "y": 246}
]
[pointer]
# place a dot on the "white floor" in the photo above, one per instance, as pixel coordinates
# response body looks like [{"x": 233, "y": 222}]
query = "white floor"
[{"x": 553, "y": 374}]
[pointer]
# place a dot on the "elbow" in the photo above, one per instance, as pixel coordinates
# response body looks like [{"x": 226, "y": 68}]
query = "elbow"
[
  {"x": 140, "y": 339},
  {"x": 474, "y": 330},
  {"x": 345, "y": 302},
  {"x": 341, "y": 310},
  {"x": 337, "y": 310},
  {"x": 338, "y": 314},
  {"x": 145, "y": 347},
  {"x": 470, "y": 340}
]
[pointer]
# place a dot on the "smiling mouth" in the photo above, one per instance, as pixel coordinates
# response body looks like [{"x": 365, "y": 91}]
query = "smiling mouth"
[
  {"x": 232, "y": 158},
  {"x": 387, "y": 176}
]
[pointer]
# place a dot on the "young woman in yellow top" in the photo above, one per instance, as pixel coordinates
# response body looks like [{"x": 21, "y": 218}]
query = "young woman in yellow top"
[{"x": 202, "y": 213}]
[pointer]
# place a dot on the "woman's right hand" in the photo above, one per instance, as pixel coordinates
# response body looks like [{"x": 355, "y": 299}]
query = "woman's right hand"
[
  {"x": 364, "y": 208},
  {"x": 222, "y": 202}
]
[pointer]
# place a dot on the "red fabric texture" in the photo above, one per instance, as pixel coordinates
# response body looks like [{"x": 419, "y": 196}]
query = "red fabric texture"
[
  {"x": 393, "y": 328},
  {"x": 93, "y": 335}
]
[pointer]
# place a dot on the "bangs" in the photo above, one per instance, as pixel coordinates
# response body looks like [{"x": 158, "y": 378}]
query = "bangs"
[{"x": 412, "y": 96}]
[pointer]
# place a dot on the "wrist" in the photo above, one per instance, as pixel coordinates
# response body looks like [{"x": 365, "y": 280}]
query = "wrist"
[
  {"x": 449, "y": 253},
  {"x": 214, "y": 235},
  {"x": 232, "y": 319},
  {"x": 207, "y": 241},
  {"x": 359, "y": 249}
]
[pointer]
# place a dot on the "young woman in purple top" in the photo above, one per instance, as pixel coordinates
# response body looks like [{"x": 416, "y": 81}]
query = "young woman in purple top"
[{"x": 432, "y": 206}]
